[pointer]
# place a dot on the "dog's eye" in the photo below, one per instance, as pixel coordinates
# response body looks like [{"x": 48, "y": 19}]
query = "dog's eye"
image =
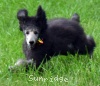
[
  {"x": 27, "y": 32},
  {"x": 35, "y": 32}
]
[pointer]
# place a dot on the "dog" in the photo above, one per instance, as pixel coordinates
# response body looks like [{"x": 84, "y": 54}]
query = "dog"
[{"x": 47, "y": 38}]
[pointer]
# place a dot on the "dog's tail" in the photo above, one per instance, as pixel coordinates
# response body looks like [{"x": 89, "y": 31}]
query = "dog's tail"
[
  {"x": 90, "y": 45},
  {"x": 76, "y": 17}
]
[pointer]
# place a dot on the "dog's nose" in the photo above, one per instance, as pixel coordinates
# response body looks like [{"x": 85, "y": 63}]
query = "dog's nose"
[{"x": 31, "y": 42}]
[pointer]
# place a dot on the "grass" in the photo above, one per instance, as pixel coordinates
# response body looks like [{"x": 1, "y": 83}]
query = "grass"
[{"x": 60, "y": 71}]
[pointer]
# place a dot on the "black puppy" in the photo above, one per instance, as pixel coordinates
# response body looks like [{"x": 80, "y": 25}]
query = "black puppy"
[{"x": 44, "y": 39}]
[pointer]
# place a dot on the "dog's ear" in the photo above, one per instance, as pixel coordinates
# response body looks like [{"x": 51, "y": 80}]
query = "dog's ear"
[
  {"x": 76, "y": 17},
  {"x": 41, "y": 17},
  {"x": 22, "y": 14},
  {"x": 40, "y": 13}
]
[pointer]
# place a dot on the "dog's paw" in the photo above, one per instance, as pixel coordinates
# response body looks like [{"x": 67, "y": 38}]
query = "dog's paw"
[
  {"x": 20, "y": 65},
  {"x": 12, "y": 69}
]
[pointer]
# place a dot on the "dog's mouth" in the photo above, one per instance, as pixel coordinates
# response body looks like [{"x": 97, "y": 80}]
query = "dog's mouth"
[
  {"x": 30, "y": 46},
  {"x": 39, "y": 42}
]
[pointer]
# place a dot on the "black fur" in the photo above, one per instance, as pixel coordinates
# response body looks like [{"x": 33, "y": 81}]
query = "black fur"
[{"x": 59, "y": 35}]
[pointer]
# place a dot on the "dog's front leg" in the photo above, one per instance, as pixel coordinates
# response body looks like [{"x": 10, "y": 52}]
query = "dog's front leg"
[{"x": 20, "y": 63}]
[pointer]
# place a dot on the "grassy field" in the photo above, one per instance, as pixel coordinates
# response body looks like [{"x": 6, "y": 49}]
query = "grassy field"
[{"x": 60, "y": 71}]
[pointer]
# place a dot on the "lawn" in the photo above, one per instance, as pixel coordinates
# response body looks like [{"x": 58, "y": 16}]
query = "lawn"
[{"x": 60, "y": 70}]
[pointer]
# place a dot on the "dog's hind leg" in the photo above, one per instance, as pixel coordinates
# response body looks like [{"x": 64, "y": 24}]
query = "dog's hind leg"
[{"x": 20, "y": 63}]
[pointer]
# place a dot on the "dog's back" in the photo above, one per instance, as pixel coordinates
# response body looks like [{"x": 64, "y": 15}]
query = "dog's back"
[{"x": 68, "y": 36}]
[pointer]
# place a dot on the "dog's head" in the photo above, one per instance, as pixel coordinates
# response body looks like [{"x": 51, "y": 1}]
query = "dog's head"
[{"x": 32, "y": 26}]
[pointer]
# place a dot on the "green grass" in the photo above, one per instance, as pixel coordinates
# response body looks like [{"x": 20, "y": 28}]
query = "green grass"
[{"x": 60, "y": 71}]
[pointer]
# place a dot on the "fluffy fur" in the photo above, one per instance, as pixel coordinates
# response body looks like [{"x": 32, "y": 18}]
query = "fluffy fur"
[{"x": 59, "y": 36}]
